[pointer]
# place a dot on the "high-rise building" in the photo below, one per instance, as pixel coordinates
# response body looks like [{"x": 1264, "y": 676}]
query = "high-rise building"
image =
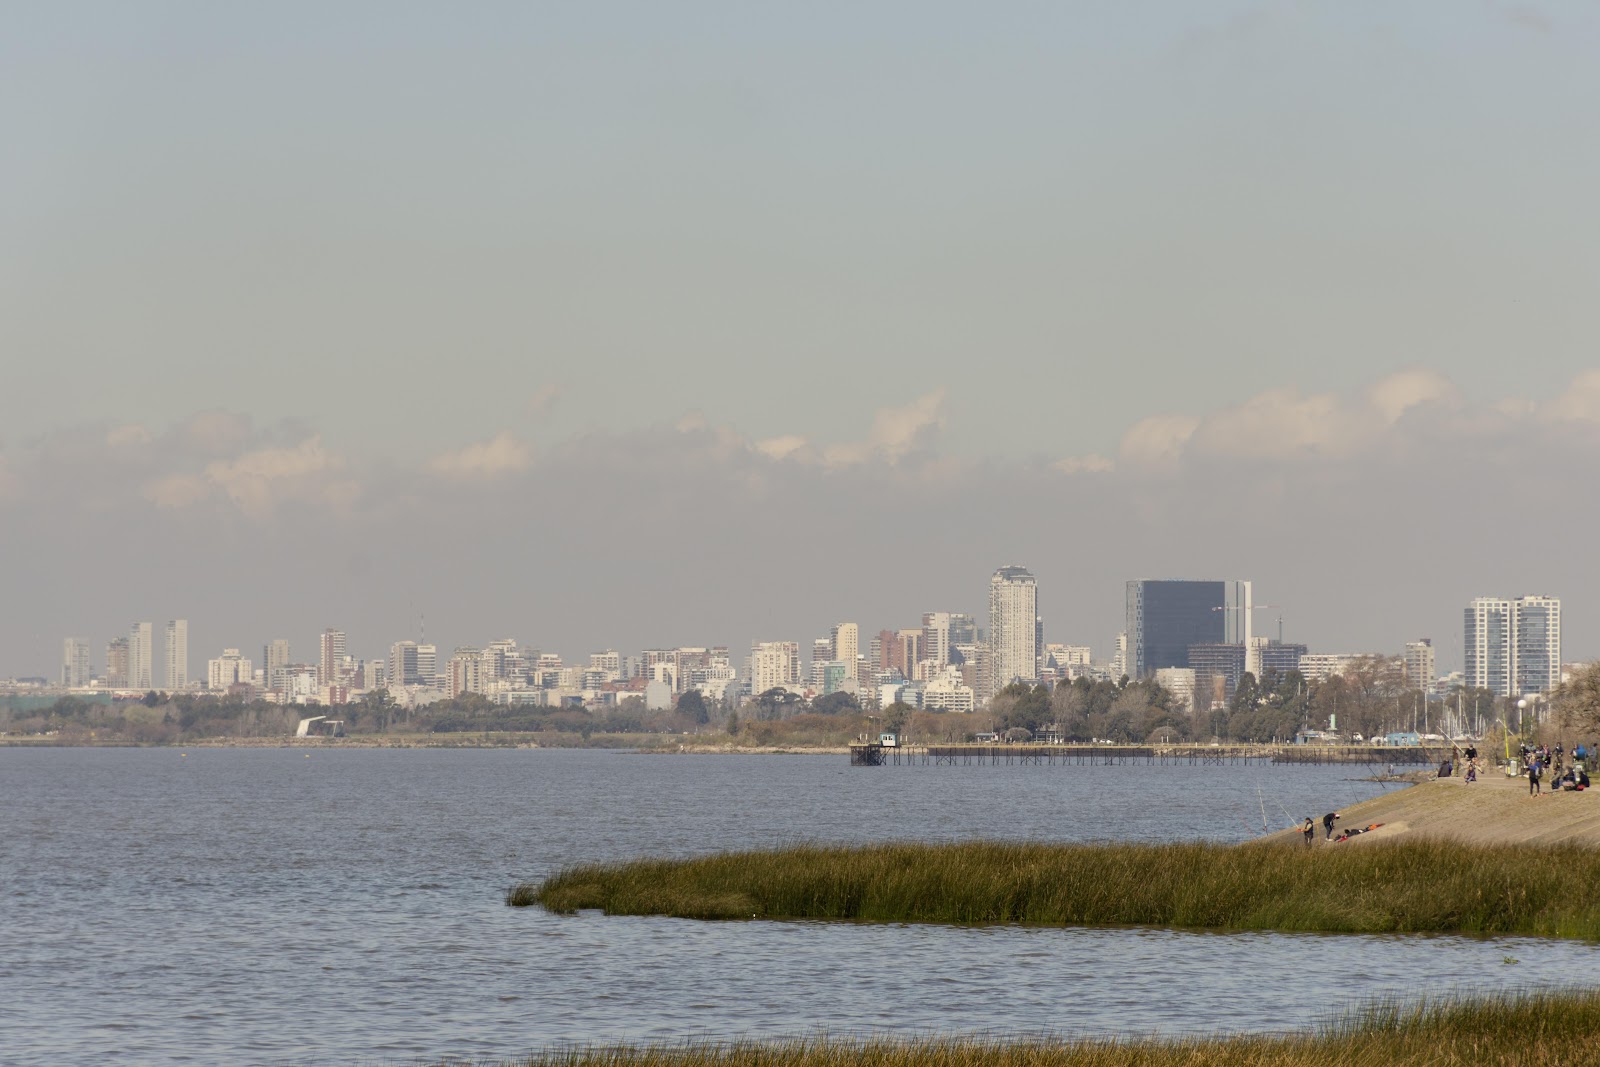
[
  {"x": 1217, "y": 669},
  {"x": 275, "y": 663},
  {"x": 1513, "y": 647},
  {"x": 465, "y": 671},
  {"x": 117, "y": 663},
  {"x": 141, "y": 638},
  {"x": 177, "y": 650},
  {"x": 74, "y": 663},
  {"x": 413, "y": 664},
  {"x": 1487, "y": 643},
  {"x": 1013, "y": 627},
  {"x": 963, "y": 630},
  {"x": 1538, "y": 644},
  {"x": 1166, "y": 617},
  {"x": 936, "y": 636},
  {"x": 821, "y": 656},
  {"x": 773, "y": 664},
  {"x": 1419, "y": 664},
  {"x": 228, "y": 669},
  {"x": 846, "y": 640},
  {"x": 1277, "y": 658},
  {"x": 331, "y": 662}
]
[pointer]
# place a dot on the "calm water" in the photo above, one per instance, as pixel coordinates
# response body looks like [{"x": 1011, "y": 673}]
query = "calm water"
[{"x": 259, "y": 906}]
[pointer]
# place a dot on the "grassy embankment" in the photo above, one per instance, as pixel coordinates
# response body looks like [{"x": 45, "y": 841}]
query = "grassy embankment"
[
  {"x": 1405, "y": 886},
  {"x": 1537, "y": 1030}
]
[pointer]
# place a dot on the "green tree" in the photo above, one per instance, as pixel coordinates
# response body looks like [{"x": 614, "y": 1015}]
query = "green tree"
[
  {"x": 840, "y": 703},
  {"x": 777, "y": 703},
  {"x": 1020, "y": 705},
  {"x": 1577, "y": 701},
  {"x": 692, "y": 706},
  {"x": 896, "y": 715}
]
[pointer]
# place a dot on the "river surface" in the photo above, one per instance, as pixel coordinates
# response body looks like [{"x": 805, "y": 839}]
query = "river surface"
[{"x": 264, "y": 906}]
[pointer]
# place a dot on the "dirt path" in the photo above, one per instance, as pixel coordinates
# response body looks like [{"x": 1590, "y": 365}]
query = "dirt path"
[{"x": 1493, "y": 810}]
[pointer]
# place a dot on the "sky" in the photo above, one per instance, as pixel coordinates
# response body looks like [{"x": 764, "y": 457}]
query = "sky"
[{"x": 632, "y": 324}]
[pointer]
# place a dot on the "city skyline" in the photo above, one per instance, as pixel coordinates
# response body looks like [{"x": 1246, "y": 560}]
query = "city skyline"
[{"x": 1191, "y": 635}]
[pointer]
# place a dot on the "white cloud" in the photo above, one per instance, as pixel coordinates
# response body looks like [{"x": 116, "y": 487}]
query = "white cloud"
[
  {"x": 502, "y": 454},
  {"x": 1157, "y": 440},
  {"x": 1399, "y": 393},
  {"x": 1284, "y": 424},
  {"x": 1581, "y": 400},
  {"x": 781, "y": 447},
  {"x": 257, "y": 480},
  {"x": 895, "y": 433}
]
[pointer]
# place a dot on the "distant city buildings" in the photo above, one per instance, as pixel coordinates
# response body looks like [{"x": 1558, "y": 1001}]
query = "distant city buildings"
[
  {"x": 1166, "y": 617},
  {"x": 1013, "y": 627},
  {"x": 1512, "y": 647},
  {"x": 140, "y": 655},
  {"x": 274, "y": 663},
  {"x": 774, "y": 664},
  {"x": 1192, "y": 637},
  {"x": 1419, "y": 664},
  {"x": 330, "y": 663},
  {"x": 177, "y": 652},
  {"x": 74, "y": 663},
  {"x": 117, "y": 663},
  {"x": 228, "y": 670}
]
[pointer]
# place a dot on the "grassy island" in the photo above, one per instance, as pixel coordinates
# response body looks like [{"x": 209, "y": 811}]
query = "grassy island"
[
  {"x": 1398, "y": 886},
  {"x": 1542, "y": 1030}
]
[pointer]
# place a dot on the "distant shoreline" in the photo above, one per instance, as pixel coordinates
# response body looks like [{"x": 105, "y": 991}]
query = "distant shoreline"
[{"x": 436, "y": 741}]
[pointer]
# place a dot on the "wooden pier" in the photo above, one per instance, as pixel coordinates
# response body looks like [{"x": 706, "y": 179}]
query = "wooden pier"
[{"x": 874, "y": 754}]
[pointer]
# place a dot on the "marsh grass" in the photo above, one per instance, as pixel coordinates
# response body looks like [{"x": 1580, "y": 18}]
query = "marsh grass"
[
  {"x": 1387, "y": 887},
  {"x": 1530, "y": 1030}
]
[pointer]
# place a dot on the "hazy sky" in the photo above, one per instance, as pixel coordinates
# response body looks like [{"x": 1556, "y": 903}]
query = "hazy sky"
[{"x": 648, "y": 323}]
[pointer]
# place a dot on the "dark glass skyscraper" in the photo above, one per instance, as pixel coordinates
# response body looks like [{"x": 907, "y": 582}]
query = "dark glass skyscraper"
[{"x": 1166, "y": 617}]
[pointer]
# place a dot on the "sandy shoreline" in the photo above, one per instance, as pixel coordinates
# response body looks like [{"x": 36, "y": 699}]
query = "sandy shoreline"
[{"x": 1494, "y": 810}]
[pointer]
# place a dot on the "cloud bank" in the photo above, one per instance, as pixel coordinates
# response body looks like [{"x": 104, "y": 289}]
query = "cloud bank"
[{"x": 1372, "y": 516}]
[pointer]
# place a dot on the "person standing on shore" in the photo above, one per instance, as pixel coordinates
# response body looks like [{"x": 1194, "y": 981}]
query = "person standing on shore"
[
  {"x": 1327, "y": 824},
  {"x": 1310, "y": 830},
  {"x": 1533, "y": 776}
]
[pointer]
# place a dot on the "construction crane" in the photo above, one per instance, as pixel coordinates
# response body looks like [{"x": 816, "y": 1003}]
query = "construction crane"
[{"x": 1256, "y": 607}]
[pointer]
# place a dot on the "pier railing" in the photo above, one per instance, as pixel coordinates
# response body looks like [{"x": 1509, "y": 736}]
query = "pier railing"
[{"x": 878, "y": 755}]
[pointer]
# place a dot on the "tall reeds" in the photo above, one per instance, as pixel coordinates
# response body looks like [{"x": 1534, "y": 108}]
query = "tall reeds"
[
  {"x": 1375, "y": 887},
  {"x": 1530, "y": 1030}
]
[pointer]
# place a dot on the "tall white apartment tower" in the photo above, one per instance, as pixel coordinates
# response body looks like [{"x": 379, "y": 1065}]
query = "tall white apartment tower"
[
  {"x": 74, "y": 663},
  {"x": 1013, "y": 633},
  {"x": 773, "y": 663},
  {"x": 1513, "y": 647},
  {"x": 846, "y": 639},
  {"x": 141, "y": 639},
  {"x": 1486, "y": 644},
  {"x": 936, "y": 636},
  {"x": 1419, "y": 664},
  {"x": 1536, "y": 643},
  {"x": 330, "y": 667},
  {"x": 177, "y": 648},
  {"x": 275, "y": 662}
]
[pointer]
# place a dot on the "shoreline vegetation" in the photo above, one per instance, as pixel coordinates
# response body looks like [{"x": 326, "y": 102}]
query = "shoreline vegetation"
[
  {"x": 1402, "y": 886},
  {"x": 1528, "y": 1029}
]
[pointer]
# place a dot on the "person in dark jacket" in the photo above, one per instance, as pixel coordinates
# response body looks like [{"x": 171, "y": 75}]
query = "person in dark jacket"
[{"x": 1327, "y": 824}]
